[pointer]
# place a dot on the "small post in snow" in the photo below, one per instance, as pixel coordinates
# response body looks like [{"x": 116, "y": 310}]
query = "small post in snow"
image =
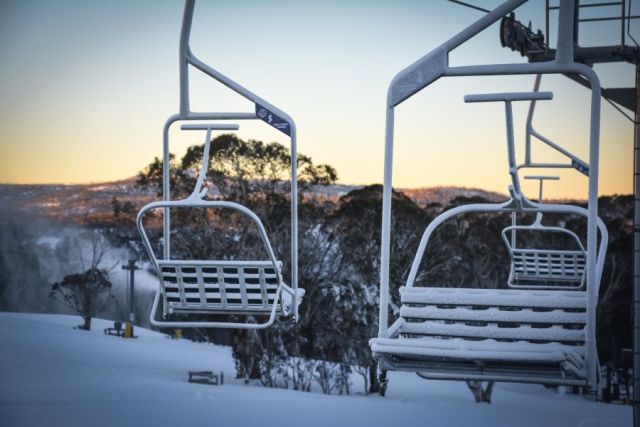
[{"x": 131, "y": 267}]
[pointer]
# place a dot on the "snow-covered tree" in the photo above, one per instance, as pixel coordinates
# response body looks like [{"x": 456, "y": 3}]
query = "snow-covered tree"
[{"x": 86, "y": 293}]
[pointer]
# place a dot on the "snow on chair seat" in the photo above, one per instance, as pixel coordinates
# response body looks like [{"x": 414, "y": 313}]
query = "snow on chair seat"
[
  {"x": 221, "y": 286},
  {"x": 484, "y": 329}
]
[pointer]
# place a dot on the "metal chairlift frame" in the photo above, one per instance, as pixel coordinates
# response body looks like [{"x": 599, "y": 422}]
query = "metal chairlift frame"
[
  {"x": 264, "y": 111},
  {"x": 432, "y": 67}
]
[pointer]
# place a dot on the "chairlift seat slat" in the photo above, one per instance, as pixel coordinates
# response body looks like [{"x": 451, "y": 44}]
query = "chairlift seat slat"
[
  {"x": 492, "y": 314},
  {"x": 517, "y": 332},
  {"x": 494, "y": 297},
  {"x": 486, "y": 350}
]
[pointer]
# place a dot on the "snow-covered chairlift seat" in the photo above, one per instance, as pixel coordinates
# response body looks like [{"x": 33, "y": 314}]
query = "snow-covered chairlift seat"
[
  {"x": 532, "y": 335},
  {"x": 248, "y": 287},
  {"x": 488, "y": 334}
]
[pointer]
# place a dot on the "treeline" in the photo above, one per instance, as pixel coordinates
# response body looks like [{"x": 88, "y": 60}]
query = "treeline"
[{"x": 339, "y": 258}]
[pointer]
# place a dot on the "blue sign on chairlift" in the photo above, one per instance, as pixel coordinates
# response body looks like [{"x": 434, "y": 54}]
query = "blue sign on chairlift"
[
  {"x": 580, "y": 167},
  {"x": 273, "y": 119}
]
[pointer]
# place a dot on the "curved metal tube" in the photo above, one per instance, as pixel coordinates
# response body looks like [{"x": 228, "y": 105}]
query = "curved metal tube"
[
  {"x": 530, "y": 131},
  {"x": 194, "y": 202}
]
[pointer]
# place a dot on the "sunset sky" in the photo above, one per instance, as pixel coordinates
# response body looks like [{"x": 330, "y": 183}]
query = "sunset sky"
[{"x": 85, "y": 87}]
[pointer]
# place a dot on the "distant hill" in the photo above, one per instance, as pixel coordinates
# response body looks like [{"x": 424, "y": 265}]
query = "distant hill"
[
  {"x": 443, "y": 195},
  {"x": 80, "y": 203},
  {"x": 83, "y": 203}
]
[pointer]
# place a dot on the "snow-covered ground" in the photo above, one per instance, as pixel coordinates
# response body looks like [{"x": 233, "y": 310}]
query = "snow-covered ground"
[{"x": 53, "y": 375}]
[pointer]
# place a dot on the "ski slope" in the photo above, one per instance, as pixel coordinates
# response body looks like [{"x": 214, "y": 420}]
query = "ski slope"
[{"x": 53, "y": 375}]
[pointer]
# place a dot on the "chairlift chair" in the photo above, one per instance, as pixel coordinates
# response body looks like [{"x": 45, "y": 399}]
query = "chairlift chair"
[
  {"x": 252, "y": 288},
  {"x": 541, "y": 329},
  {"x": 544, "y": 268},
  {"x": 535, "y": 332}
]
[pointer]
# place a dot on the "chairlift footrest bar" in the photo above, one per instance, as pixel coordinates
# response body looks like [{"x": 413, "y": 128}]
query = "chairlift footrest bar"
[
  {"x": 508, "y": 97},
  {"x": 209, "y": 126}
]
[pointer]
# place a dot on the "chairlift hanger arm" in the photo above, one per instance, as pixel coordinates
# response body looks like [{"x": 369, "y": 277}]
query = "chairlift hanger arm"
[{"x": 188, "y": 58}]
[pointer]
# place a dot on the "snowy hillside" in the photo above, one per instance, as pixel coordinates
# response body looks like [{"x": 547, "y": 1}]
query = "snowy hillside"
[{"x": 53, "y": 375}]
